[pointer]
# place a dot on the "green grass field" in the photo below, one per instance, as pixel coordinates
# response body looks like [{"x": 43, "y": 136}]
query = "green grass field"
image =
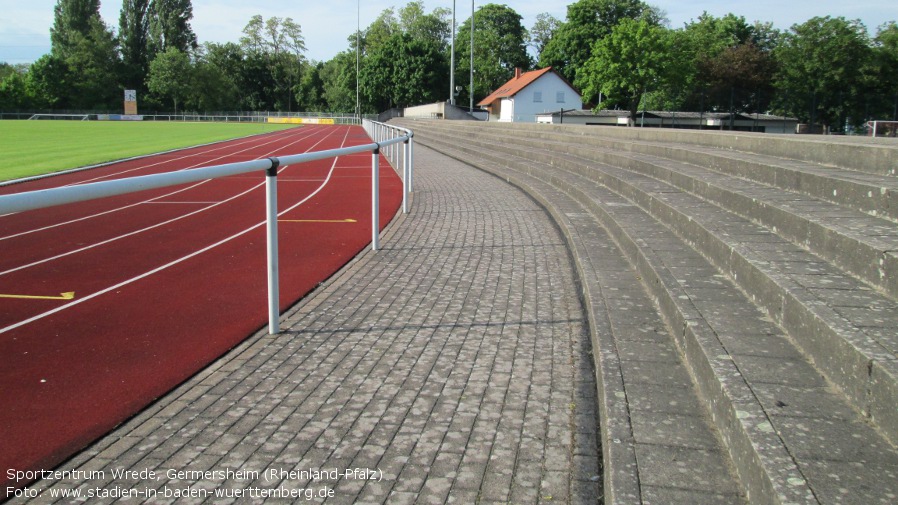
[{"x": 37, "y": 147}]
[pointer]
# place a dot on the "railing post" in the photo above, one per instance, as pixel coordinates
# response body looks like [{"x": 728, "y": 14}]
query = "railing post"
[
  {"x": 375, "y": 199},
  {"x": 271, "y": 207},
  {"x": 405, "y": 152},
  {"x": 411, "y": 163}
]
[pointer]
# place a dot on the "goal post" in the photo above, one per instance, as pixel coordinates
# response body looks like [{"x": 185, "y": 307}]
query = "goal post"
[
  {"x": 882, "y": 128},
  {"x": 68, "y": 117}
]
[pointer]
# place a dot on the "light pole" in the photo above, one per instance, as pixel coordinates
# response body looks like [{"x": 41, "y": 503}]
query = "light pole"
[
  {"x": 452, "y": 60},
  {"x": 471, "y": 85},
  {"x": 358, "y": 24}
]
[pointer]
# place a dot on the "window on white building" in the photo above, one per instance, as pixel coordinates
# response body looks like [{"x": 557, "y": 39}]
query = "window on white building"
[
  {"x": 537, "y": 96},
  {"x": 559, "y": 97}
]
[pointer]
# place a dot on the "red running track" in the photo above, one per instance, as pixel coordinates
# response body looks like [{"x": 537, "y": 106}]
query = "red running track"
[{"x": 164, "y": 281}]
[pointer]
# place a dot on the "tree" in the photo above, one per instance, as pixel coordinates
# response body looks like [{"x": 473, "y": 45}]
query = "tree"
[
  {"x": 542, "y": 31},
  {"x": 71, "y": 19},
  {"x": 13, "y": 88},
  {"x": 94, "y": 64},
  {"x": 587, "y": 22},
  {"x": 378, "y": 32},
  {"x": 169, "y": 26},
  {"x": 310, "y": 92},
  {"x": 229, "y": 62},
  {"x": 701, "y": 75},
  {"x": 134, "y": 33},
  {"x": 88, "y": 51},
  {"x": 47, "y": 82},
  {"x": 631, "y": 61},
  {"x": 170, "y": 76},
  {"x": 339, "y": 78},
  {"x": 885, "y": 80},
  {"x": 433, "y": 28},
  {"x": 277, "y": 44},
  {"x": 403, "y": 71},
  {"x": 216, "y": 71},
  {"x": 499, "y": 47},
  {"x": 821, "y": 70},
  {"x": 739, "y": 78}
]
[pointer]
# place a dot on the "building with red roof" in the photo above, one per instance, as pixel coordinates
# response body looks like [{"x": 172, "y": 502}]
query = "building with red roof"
[{"x": 529, "y": 94}]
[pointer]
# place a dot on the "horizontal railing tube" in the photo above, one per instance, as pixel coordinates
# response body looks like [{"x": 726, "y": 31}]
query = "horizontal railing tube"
[{"x": 31, "y": 200}]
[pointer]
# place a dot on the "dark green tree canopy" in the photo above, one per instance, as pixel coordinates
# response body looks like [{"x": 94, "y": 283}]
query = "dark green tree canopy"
[
  {"x": 86, "y": 52},
  {"x": 500, "y": 46},
  {"x": 588, "y": 21},
  {"x": 433, "y": 27},
  {"x": 170, "y": 26},
  {"x": 884, "y": 74},
  {"x": 626, "y": 64},
  {"x": 171, "y": 76},
  {"x": 402, "y": 72},
  {"x": 822, "y": 63},
  {"x": 134, "y": 34},
  {"x": 71, "y": 19}
]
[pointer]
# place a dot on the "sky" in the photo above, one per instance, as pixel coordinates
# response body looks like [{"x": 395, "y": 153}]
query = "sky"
[{"x": 25, "y": 24}]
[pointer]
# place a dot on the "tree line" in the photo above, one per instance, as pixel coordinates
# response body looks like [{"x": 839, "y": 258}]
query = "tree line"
[{"x": 618, "y": 53}]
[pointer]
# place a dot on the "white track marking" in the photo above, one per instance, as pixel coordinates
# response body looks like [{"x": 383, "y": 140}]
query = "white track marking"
[{"x": 171, "y": 263}]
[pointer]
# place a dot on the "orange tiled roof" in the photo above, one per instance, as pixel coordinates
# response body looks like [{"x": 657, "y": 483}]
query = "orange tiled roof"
[{"x": 515, "y": 85}]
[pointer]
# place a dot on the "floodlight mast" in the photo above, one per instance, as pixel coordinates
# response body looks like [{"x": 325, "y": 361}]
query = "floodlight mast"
[
  {"x": 358, "y": 26},
  {"x": 471, "y": 87},
  {"x": 452, "y": 60}
]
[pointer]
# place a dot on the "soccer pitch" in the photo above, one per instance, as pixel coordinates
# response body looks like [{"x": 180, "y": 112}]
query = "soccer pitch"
[{"x": 30, "y": 148}]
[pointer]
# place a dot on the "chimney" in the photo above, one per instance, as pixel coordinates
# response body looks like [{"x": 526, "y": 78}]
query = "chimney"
[{"x": 517, "y": 72}]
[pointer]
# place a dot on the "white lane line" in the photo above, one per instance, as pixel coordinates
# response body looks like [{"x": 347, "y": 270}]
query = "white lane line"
[
  {"x": 180, "y": 202},
  {"x": 169, "y": 264}
]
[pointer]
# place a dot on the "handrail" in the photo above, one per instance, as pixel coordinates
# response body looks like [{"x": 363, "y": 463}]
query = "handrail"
[
  {"x": 381, "y": 131},
  {"x": 385, "y": 137}
]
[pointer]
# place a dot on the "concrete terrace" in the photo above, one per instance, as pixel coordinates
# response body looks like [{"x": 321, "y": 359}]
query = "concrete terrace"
[
  {"x": 772, "y": 262},
  {"x": 640, "y": 316}
]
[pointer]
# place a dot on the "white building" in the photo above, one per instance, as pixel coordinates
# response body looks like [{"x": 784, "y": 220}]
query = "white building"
[{"x": 530, "y": 94}]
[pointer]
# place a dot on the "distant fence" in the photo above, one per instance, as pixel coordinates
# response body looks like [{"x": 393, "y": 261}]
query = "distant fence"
[{"x": 208, "y": 116}]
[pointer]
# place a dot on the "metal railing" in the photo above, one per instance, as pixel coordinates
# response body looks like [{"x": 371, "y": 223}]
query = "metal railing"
[{"x": 387, "y": 138}]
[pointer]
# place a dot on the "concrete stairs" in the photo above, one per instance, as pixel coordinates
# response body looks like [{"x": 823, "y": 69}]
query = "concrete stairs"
[{"x": 741, "y": 291}]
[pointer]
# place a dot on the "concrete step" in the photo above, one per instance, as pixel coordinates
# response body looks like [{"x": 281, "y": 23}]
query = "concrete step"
[
  {"x": 767, "y": 398},
  {"x": 859, "y": 243},
  {"x": 849, "y": 330},
  {"x": 876, "y": 195},
  {"x": 874, "y": 156}
]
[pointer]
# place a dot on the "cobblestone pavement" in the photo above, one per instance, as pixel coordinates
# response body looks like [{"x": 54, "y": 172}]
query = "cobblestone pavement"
[{"x": 452, "y": 366}]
